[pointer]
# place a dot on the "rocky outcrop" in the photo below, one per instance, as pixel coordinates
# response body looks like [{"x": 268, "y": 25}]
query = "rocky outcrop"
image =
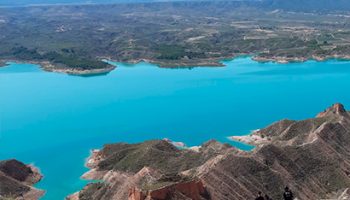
[
  {"x": 335, "y": 109},
  {"x": 17, "y": 179},
  {"x": 149, "y": 170},
  {"x": 311, "y": 156}
]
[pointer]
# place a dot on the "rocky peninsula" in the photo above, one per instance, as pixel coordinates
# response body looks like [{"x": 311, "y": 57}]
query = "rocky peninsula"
[
  {"x": 61, "y": 68},
  {"x": 17, "y": 180},
  {"x": 310, "y": 156}
]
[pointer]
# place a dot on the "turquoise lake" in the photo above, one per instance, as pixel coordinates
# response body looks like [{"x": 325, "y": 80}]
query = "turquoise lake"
[{"x": 53, "y": 120}]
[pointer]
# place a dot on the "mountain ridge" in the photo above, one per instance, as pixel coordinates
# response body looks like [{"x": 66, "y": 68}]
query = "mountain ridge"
[{"x": 310, "y": 156}]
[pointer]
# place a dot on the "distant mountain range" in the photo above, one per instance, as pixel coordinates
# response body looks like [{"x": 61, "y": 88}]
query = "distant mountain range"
[
  {"x": 41, "y": 2},
  {"x": 49, "y": 2},
  {"x": 299, "y": 5},
  {"x": 309, "y": 5}
]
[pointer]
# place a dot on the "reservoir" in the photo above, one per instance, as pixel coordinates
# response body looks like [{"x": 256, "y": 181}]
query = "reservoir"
[{"x": 53, "y": 120}]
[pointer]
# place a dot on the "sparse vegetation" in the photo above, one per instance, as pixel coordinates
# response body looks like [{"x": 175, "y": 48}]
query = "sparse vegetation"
[{"x": 169, "y": 34}]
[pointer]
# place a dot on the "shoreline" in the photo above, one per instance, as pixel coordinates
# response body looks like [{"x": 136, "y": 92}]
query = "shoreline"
[
  {"x": 34, "y": 193},
  {"x": 174, "y": 65},
  {"x": 218, "y": 62},
  {"x": 287, "y": 60}
]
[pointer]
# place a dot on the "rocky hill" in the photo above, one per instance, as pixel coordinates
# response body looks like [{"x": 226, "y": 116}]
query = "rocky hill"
[
  {"x": 17, "y": 179},
  {"x": 310, "y": 156}
]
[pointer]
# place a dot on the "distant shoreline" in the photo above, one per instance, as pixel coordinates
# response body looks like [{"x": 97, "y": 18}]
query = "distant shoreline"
[
  {"x": 219, "y": 61},
  {"x": 287, "y": 60},
  {"x": 49, "y": 67}
]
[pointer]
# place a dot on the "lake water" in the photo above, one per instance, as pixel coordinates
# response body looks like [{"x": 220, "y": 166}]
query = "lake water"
[{"x": 53, "y": 120}]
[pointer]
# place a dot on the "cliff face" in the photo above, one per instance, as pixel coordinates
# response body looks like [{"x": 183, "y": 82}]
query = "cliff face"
[
  {"x": 16, "y": 180},
  {"x": 311, "y": 156}
]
